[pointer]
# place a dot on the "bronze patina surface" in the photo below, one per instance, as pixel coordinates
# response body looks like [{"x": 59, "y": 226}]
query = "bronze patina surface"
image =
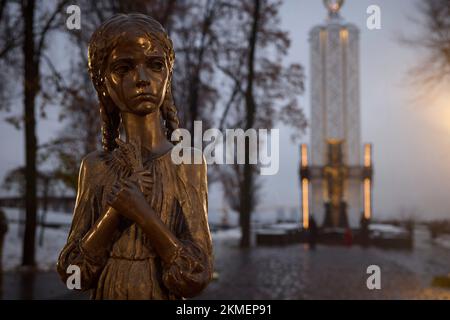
[{"x": 140, "y": 227}]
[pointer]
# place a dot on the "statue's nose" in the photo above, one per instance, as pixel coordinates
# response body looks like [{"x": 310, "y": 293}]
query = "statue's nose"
[{"x": 143, "y": 78}]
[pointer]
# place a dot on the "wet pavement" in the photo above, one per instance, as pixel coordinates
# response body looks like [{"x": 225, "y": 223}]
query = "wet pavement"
[
  {"x": 291, "y": 272},
  {"x": 36, "y": 285},
  {"x": 328, "y": 272}
]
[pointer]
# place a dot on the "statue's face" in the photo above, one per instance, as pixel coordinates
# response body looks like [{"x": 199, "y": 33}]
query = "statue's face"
[{"x": 137, "y": 74}]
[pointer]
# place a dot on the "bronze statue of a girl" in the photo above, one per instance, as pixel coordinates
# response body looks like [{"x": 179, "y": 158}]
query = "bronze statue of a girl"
[{"x": 140, "y": 227}]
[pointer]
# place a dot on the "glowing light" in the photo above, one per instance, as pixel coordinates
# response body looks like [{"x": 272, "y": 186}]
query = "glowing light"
[
  {"x": 438, "y": 113},
  {"x": 344, "y": 34},
  {"x": 325, "y": 191},
  {"x": 323, "y": 37},
  {"x": 368, "y": 155},
  {"x": 367, "y": 182},
  {"x": 304, "y": 155},
  {"x": 305, "y": 203},
  {"x": 305, "y": 186},
  {"x": 367, "y": 199}
]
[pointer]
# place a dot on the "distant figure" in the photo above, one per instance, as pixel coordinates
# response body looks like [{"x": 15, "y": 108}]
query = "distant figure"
[
  {"x": 364, "y": 230},
  {"x": 410, "y": 227},
  {"x": 313, "y": 233},
  {"x": 348, "y": 237},
  {"x": 3, "y": 231}
]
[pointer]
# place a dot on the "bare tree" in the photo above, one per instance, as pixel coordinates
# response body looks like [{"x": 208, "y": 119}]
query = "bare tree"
[
  {"x": 194, "y": 38},
  {"x": 26, "y": 44},
  {"x": 434, "y": 20},
  {"x": 262, "y": 90}
]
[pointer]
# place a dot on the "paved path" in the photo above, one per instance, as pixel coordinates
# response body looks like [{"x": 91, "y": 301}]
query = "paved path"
[
  {"x": 292, "y": 272},
  {"x": 296, "y": 272}
]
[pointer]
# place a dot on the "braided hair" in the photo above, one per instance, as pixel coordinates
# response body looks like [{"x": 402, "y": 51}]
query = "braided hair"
[{"x": 101, "y": 44}]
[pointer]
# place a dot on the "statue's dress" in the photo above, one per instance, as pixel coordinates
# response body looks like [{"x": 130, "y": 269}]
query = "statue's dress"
[{"x": 130, "y": 268}]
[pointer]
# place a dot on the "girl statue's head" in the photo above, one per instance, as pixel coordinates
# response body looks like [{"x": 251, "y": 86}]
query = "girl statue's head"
[{"x": 131, "y": 61}]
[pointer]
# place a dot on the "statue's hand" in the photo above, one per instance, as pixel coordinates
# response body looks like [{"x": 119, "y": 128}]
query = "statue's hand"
[
  {"x": 127, "y": 198},
  {"x": 144, "y": 180}
]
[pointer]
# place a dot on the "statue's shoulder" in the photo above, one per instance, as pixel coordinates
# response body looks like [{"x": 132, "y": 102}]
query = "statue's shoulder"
[
  {"x": 95, "y": 162},
  {"x": 195, "y": 167}
]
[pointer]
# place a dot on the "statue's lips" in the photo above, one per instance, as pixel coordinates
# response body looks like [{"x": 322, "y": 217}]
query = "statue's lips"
[{"x": 145, "y": 96}]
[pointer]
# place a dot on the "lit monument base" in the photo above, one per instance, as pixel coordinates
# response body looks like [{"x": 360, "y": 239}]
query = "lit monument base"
[
  {"x": 336, "y": 218},
  {"x": 349, "y": 187}
]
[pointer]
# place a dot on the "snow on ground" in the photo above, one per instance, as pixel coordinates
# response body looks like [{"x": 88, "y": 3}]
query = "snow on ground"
[
  {"x": 228, "y": 234},
  {"x": 54, "y": 239},
  {"x": 443, "y": 241},
  {"x": 386, "y": 228},
  {"x": 46, "y": 255},
  {"x": 286, "y": 226},
  {"x": 52, "y": 217}
]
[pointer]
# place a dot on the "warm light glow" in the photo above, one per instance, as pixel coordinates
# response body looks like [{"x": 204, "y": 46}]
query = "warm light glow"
[
  {"x": 304, "y": 155},
  {"x": 367, "y": 199},
  {"x": 323, "y": 37},
  {"x": 325, "y": 191},
  {"x": 367, "y": 182},
  {"x": 305, "y": 203},
  {"x": 368, "y": 155},
  {"x": 437, "y": 114},
  {"x": 344, "y": 34},
  {"x": 305, "y": 187}
]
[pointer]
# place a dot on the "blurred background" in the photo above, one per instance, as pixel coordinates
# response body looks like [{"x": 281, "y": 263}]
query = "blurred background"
[{"x": 235, "y": 61}]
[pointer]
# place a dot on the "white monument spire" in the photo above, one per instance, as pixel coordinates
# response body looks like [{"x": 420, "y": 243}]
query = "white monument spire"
[{"x": 335, "y": 106}]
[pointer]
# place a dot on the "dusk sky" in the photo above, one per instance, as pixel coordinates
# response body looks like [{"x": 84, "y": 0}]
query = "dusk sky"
[{"x": 410, "y": 135}]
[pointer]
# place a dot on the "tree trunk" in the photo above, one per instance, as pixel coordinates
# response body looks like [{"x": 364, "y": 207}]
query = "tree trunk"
[
  {"x": 31, "y": 70},
  {"x": 247, "y": 190},
  {"x": 195, "y": 79},
  {"x": 168, "y": 12}
]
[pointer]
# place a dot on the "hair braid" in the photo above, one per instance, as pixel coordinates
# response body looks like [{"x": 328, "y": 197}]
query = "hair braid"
[
  {"x": 169, "y": 114},
  {"x": 110, "y": 127}
]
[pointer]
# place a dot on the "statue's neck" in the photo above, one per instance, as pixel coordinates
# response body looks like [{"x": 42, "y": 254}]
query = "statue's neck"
[{"x": 146, "y": 130}]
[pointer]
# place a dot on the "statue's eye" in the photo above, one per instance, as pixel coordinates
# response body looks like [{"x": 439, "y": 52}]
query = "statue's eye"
[
  {"x": 122, "y": 68},
  {"x": 157, "y": 65}
]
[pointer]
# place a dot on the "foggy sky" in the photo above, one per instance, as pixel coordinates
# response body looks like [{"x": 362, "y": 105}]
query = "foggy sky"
[{"x": 410, "y": 136}]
